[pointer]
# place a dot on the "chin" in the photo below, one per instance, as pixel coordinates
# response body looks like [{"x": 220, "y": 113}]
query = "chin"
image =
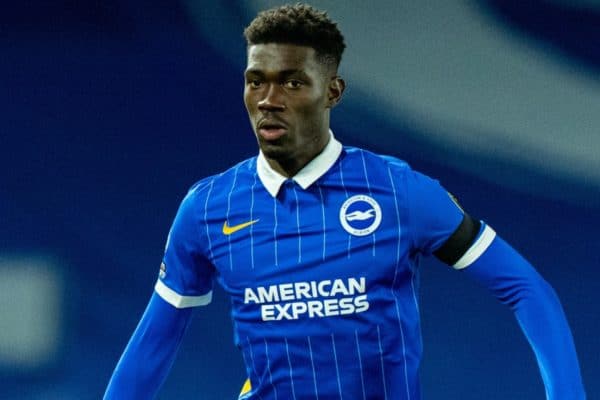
[
  {"x": 275, "y": 152},
  {"x": 271, "y": 146}
]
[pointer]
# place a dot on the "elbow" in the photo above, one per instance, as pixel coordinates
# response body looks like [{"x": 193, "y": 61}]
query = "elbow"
[{"x": 534, "y": 290}]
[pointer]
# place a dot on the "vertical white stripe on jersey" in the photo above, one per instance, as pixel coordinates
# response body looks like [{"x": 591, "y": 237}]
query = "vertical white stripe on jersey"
[
  {"x": 403, "y": 346},
  {"x": 253, "y": 368},
  {"x": 235, "y": 173},
  {"x": 414, "y": 291},
  {"x": 269, "y": 368},
  {"x": 253, "y": 363},
  {"x": 210, "y": 187},
  {"x": 346, "y": 193},
  {"x": 362, "y": 376},
  {"x": 324, "y": 224},
  {"x": 397, "y": 208},
  {"x": 312, "y": 363},
  {"x": 252, "y": 219},
  {"x": 287, "y": 351},
  {"x": 275, "y": 231},
  {"x": 298, "y": 225},
  {"x": 382, "y": 363},
  {"x": 337, "y": 369},
  {"x": 364, "y": 163}
]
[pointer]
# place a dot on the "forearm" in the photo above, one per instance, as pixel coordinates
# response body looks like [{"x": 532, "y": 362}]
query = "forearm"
[
  {"x": 539, "y": 313},
  {"x": 150, "y": 352}
]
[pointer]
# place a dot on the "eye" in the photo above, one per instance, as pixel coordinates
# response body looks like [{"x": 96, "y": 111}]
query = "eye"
[
  {"x": 254, "y": 83},
  {"x": 293, "y": 84}
]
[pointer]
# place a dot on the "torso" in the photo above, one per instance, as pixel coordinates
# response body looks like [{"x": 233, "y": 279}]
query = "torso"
[{"x": 321, "y": 308}]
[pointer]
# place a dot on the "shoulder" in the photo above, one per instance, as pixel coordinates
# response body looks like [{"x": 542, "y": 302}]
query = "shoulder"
[
  {"x": 357, "y": 154},
  {"x": 223, "y": 181},
  {"x": 375, "y": 161}
]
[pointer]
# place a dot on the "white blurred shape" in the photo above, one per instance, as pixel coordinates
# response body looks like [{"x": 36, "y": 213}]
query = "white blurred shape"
[{"x": 30, "y": 311}]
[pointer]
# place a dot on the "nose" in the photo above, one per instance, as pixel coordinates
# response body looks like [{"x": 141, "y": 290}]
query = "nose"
[{"x": 272, "y": 99}]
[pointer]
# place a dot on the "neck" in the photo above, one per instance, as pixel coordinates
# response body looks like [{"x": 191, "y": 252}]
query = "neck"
[{"x": 287, "y": 168}]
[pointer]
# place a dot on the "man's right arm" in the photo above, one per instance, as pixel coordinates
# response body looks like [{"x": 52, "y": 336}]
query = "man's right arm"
[
  {"x": 185, "y": 281},
  {"x": 150, "y": 352}
]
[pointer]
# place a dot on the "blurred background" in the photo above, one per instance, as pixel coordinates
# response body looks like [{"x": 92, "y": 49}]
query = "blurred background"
[{"x": 111, "y": 109}]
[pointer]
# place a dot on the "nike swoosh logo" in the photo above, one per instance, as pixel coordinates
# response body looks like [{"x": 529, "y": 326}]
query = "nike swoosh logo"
[{"x": 228, "y": 230}]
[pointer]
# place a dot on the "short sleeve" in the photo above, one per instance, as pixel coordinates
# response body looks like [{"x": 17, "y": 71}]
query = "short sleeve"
[
  {"x": 186, "y": 275},
  {"x": 434, "y": 214}
]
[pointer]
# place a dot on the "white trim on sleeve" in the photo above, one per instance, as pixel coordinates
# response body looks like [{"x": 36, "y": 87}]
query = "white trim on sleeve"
[
  {"x": 179, "y": 301},
  {"x": 477, "y": 249}
]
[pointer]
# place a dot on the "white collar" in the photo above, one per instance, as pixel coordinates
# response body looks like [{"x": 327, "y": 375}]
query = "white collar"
[{"x": 316, "y": 168}]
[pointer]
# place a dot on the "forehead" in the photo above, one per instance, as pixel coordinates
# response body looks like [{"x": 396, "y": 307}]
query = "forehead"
[{"x": 273, "y": 57}]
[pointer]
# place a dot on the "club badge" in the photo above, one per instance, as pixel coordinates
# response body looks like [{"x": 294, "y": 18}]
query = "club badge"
[{"x": 360, "y": 215}]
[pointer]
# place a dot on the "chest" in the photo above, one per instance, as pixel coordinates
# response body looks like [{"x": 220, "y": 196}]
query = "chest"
[{"x": 324, "y": 233}]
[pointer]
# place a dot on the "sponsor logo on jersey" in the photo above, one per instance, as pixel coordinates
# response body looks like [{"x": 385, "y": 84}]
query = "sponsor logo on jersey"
[
  {"x": 246, "y": 390},
  {"x": 360, "y": 215},
  {"x": 228, "y": 230},
  {"x": 309, "y": 299}
]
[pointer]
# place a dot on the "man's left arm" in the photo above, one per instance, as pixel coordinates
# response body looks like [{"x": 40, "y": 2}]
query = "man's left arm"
[
  {"x": 442, "y": 228},
  {"x": 475, "y": 249}
]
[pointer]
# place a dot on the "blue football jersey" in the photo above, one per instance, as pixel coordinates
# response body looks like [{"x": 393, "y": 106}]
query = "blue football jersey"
[{"x": 322, "y": 270}]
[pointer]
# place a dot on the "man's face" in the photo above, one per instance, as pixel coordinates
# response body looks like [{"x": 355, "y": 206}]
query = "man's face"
[{"x": 288, "y": 94}]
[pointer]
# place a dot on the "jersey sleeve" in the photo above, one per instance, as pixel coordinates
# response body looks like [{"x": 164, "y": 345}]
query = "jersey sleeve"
[
  {"x": 515, "y": 283},
  {"x": 186, "y": 274},
  {"x": 434, "y": 214},
  {"x": 151, "y": 351}
]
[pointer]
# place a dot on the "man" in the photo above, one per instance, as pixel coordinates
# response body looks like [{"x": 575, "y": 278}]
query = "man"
[{"x": 318, "y": 246}]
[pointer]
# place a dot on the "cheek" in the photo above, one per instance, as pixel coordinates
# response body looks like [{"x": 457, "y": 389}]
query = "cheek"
[
  {"x": 249, "y": 103},
  {"x": 314, "y": 109}
]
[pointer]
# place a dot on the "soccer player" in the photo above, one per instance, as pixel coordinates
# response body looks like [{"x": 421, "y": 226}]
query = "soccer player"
[{"x": 318, "y": 246}]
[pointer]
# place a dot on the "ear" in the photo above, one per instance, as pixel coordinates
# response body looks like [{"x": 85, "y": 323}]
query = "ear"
[{"x": 335, "y": 90}]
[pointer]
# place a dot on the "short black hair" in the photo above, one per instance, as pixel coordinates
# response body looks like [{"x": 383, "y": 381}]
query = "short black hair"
[{"x": 301, "y": 25}]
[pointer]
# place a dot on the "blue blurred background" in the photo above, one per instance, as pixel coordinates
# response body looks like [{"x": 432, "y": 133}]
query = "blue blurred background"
[{"x": 112, "y": 109}]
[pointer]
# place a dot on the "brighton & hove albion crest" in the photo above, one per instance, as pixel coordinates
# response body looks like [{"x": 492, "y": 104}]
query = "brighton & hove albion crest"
[{"x": 360, "y": 215}]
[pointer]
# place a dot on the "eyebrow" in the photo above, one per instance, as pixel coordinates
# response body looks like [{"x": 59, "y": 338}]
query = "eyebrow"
[{"x": 284, "y": 73}]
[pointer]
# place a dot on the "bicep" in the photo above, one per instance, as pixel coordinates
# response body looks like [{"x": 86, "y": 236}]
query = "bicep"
[
  {"x": 186, "y": 275},
  {"x": 459, "y": 243},
  {"x": 438, "y": 225}
]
